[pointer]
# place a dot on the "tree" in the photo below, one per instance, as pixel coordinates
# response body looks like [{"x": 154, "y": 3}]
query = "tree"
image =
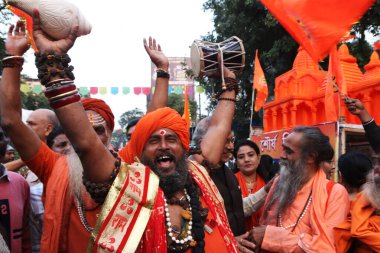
[
  {"x": 5, "y": 15},
  {"x": 176, "y": 102},
  {"x": 251, "y": 22},
  {"x": 128, "y": 116},
  {"x": 33, "y": 101}
]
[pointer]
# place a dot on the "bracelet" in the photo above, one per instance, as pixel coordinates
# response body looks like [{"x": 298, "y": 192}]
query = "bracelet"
[
  {"x": 368, "y": 122},
  {"x": 51, "y": 92},
  {"x": 162, "y": 73},
  {"x": 55, "y": 104},
  {"x": 63, "y": 95},
  {"x": 227, "y": 99},
  {"x": 99, "y": 191},
  {"x": 50, "y": 65},
  {"x": 13, "y": 62},
  {"x": 229, "y": 85}
]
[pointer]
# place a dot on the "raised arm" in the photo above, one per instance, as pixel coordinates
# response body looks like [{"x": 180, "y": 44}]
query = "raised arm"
[
  {"x": 24, "y": 138},
  {"x": 97, "y": 161},
  {"x": 214, "y": 140},
  {"x": 372, "y": 130},
  {"x": 160, "y": 95}
]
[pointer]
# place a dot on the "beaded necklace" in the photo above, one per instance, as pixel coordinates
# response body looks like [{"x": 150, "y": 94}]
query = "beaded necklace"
[
  {"x": 82, "y": 215},
  {"x": 182, "y": 243},
  {"x": 303, "y": 213}
]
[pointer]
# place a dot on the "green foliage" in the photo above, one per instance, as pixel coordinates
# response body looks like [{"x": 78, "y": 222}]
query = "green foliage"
[
  {"x": 32, "y": 101},
  {"x": 251, "y": 22},
  {"x": 176, "y": 102},
  {"x": 128, "y": 116}
]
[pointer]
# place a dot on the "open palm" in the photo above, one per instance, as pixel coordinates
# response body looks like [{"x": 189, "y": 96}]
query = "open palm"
[{"x": 16, "y": 42}]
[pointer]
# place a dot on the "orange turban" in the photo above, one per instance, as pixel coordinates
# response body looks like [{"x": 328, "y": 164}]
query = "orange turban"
[
  {"x": 151, "y": 122},
  {"x": 99, "y": 106}
]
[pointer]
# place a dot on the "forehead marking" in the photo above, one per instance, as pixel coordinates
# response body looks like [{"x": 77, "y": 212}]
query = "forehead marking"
[{"x": 162, "y": 132}]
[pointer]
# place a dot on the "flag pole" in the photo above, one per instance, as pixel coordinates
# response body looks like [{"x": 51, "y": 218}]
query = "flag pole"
[{"x": 252, "y": 101}]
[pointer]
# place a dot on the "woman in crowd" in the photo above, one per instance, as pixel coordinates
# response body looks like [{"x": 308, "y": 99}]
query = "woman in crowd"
[{"x": 251, "y": 177}]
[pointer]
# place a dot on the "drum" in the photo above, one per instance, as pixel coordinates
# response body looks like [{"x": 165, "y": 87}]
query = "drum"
[{"x": 204, "y": 57}]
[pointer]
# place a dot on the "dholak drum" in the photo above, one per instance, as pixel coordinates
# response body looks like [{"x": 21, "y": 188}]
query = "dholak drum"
[{"x": 204, "y": 56}]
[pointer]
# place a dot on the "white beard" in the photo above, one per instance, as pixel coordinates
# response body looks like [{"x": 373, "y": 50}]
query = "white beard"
[
  {"x": 75, "y": 173},
  {"x": 372, "y": 189}
]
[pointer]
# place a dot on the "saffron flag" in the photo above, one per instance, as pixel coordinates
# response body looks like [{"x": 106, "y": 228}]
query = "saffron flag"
[
  {"x": 260, "y": 84},
  {"x": 330, "y": 108},
  {"x": 317, "y": 25},
  {"x": 337, "y": 71},
  {"x": 186, "y": 109},
  {"x": 376, "y": 45}
]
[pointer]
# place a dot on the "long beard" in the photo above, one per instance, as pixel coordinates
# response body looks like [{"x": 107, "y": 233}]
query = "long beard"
[
  {"x": 372, "y": 189},
  {"x": 293, "y": 175},
  {"x": 75, "y": 173},
  {"x": 170, "y": 184}
]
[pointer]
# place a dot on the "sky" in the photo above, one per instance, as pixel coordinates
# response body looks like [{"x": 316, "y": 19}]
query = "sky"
[{"x": 113, "y": 53}]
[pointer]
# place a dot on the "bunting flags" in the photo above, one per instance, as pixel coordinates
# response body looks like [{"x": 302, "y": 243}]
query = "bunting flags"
[
  {"x": 260, "y": 84},
  {"x": 330, "y": 108},
  {"x": 186, "y": 109},
  {"x": 317, "y": 25},
  {"x": 115, "y": 90}
]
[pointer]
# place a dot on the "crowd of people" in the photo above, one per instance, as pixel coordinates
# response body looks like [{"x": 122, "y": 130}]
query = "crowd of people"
[{"x": 75, "y": 193}]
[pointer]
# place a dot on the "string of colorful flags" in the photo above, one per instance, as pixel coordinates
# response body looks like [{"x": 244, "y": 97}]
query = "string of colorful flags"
[{"x": 84, "y": 91}]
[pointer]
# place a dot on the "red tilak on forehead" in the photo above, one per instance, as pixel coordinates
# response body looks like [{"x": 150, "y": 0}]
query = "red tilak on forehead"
[{"x": 162, "y": 132}]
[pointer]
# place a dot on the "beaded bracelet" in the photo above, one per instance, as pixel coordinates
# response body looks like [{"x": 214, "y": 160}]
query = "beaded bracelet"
[
  {"x": 99, "y": 191},
  {"x": 13, "y": 62},
  {"x": 227, "y": 99},
  {"x": 50, "y": 65},
  {"x": 230, "y": 85}
]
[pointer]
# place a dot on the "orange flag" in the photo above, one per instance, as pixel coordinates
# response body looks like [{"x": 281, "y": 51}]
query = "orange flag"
[
  {"x": 317, "y": 25},
  {"x": 186, "y": 109},
  {"x": 337, "y": 71},
  {"x": 376, "y": 45},
  {"x": 260, "y": 84},
  {"x": 330, "y": 108}
]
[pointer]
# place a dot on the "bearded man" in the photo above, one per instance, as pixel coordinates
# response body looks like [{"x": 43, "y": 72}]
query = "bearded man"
[
  {"x": 360, "y": 232},
  {"x": 302, "y": 207},
  {"x": 134, "y": 215},
  {"x": 70, "y": 211}
]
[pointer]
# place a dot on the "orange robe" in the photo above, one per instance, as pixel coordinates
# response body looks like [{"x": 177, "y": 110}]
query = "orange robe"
[
  {"x": 62, "y": 230},
  {"x": 362, "y": 225},
  {"x": 314, "y": 233},
  {"x": 255, "y": 217}
]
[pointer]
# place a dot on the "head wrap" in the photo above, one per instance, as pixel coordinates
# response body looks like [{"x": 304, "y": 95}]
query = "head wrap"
[
  {"x": 151, "y": 122},
  {"x": 99, "y": 106}
]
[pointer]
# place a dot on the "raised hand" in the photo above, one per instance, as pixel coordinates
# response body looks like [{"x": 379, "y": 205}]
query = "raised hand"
[
  {"x": 356, "y": 107},
  {"x": 45, "y": 44},
  {"x": 16, "y": 43},
  {"x": 155, "y": 53}
]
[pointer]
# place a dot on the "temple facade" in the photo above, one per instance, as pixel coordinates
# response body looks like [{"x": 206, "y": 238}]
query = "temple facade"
[{"x": 300, "y": 92}]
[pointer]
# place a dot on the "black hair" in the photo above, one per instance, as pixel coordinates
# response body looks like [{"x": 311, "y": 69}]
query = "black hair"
[
  {"x": 315, "y": 143},
  {"x": 131, "y": 123},
  {"x": 3, "y": 144},
  {"x": 58, "y": 130},
  {"x": 354, "y": 167},
  {"x": 262, "y": 170}
]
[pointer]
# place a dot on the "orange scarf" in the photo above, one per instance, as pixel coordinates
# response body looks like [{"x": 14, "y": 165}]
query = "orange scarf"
[
  {"x": 362, "y": 225},
  {"x": 255, "y": 217}
]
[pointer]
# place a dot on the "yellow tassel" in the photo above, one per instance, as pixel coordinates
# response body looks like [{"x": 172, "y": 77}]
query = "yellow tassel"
[{"x": 186, "y": 214}]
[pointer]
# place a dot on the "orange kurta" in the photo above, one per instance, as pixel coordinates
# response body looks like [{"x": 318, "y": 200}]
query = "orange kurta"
[
  {"x": 362, "y": 225},
  {"x": 314, "y": 233},
  {"x": 62, "y": 230},
  {"x": 255, "y": 217}
]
